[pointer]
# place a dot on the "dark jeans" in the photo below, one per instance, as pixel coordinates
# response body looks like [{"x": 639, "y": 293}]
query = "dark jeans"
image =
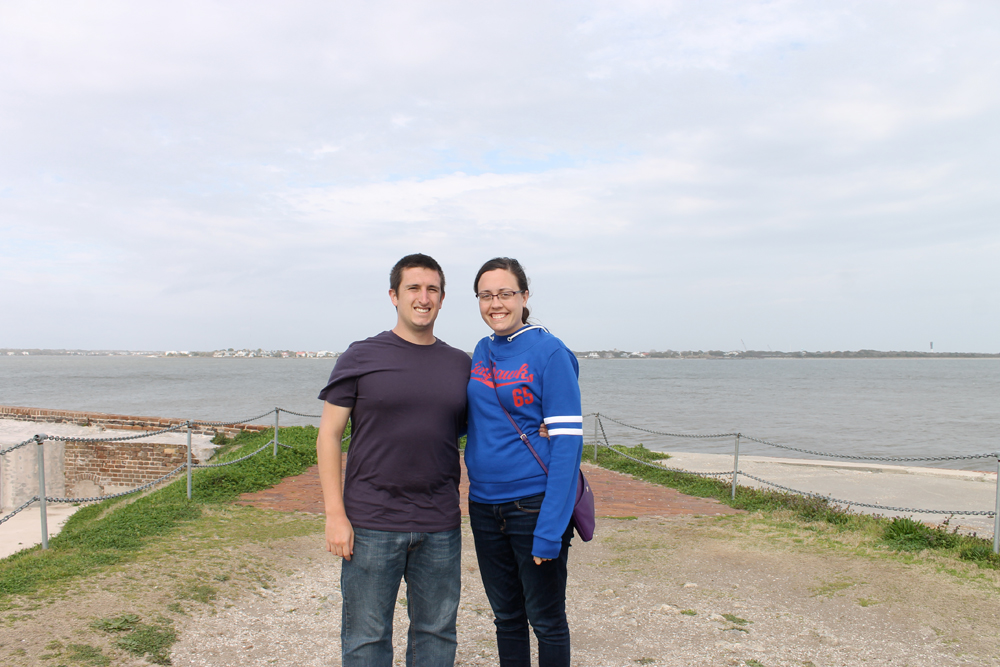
[
  {"x": 430, "y": 563},
  {"x": 521, "y": 592}
]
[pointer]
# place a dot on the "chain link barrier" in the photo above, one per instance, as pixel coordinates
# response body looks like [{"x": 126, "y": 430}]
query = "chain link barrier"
[
  {"x": 299, "y": 414},
  {"x": 120, "y": 494},
  {"x": 17, "y": 446},
  {"x": 238, "y": 421},
  {"x": 896, "y": 459},
  {"x": 242, "y": 458},
  {"x": 672, "y": 435},
  {"x": 41, "y": 438},
  {"x": 884, "y": 459},
  {"x": 851, "y": 503},
  {"x": 830, "y": 499},
  {"x": 144, "y": 434},
  {"x": 25, "y": 506}
]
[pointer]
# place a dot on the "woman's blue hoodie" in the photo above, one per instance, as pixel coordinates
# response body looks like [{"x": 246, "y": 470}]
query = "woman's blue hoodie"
[{"x": 537, "y": 378}]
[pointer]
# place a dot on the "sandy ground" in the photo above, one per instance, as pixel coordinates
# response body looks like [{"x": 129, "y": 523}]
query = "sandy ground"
[
  {"x": 703, "y": 591},
  {"x": 678, "y": 591}
]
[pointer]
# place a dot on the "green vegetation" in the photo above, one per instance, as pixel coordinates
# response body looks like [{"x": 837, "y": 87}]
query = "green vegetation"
[
  {"x": 732, "y": 618},
  {"x": 141, "y": 639},
  {"x": 900, "y": 534},
  {"x": 113, "y": 531},
  {"x": 152, "y": 641},
  {"x": 82, "y": 654}
]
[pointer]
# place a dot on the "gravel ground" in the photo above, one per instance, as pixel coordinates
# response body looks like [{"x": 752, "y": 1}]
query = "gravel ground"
[{"x": 675, "y": 591}]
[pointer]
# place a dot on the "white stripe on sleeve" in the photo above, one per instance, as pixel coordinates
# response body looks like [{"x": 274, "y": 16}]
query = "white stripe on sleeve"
[
  {"x": 564, "y": 420},
  {"x": 565, "y": 431}
]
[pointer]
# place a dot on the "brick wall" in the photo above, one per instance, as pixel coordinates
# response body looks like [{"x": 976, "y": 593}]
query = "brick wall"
[
  {"x": 96, "y": 468},
  {"x": 117, "y": 466},
  {"x": 120, "y": 422}
]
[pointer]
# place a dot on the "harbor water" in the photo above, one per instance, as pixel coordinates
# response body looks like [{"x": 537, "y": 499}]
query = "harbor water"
[{"x": 866, "y": 407}]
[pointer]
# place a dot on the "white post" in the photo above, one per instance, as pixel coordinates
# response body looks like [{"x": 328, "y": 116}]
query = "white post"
[
  {"x": 736, "y": 466},
  {"x": 277, "y": 411},
  {"x": 40, "y": 441},
  {"x": 189, "y": 460}
]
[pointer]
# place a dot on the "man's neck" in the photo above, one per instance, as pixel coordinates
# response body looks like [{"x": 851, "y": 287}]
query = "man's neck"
[{"x": 423, "y": 337}]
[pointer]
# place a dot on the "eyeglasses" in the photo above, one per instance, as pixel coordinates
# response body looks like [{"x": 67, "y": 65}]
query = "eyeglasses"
[{"x": 486, "y": 297}]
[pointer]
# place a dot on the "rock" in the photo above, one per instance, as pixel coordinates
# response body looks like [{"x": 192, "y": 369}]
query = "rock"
[
  {"x": 608, "y": 593},
  {"x": 690, "y": 585}
]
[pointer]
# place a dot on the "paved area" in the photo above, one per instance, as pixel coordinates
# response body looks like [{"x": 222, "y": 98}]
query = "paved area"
[
  {"x": 904, "y": 487},
  {"x": 615, "y": 495}
]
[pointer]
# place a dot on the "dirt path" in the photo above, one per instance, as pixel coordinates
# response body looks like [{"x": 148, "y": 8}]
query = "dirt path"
[
  {"x": 688, "y": 582},
  {"x": 656, "y": 591}
]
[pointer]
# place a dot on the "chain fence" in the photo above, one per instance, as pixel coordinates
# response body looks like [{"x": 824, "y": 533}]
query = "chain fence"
[
  {"x": 732, "y": 475},
  {"x": 40, "y": 439},
  {"x": 736, "y": 472}
]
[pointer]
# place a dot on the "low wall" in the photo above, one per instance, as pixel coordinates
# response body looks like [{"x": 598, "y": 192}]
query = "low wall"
[
  {"x": 87, "y": 469},
  {"x": 119, "y": 422}
]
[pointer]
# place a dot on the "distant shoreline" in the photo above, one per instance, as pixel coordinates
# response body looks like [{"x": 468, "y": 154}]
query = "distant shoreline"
[
  {"x": 757, "y": 354},
  {"x": 587, "y": 354}
]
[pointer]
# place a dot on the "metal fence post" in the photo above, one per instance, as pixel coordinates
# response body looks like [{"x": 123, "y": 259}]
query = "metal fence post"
[
  {"x": 189, "y": 459},
  {"x": 736, "y": 466},
  {"x": 277, "y": 412},
  {"x": 596, "y": 417},
  {"x": 40, "y": 441},
  {"x": 996, "y": 512}
]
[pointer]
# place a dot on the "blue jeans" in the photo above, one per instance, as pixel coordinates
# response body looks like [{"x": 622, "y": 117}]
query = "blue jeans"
[
  {"x": 519, "y": 591},
  {"x": 431, "y": 565}
]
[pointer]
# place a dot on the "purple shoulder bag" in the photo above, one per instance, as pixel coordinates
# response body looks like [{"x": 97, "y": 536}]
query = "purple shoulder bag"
[{"x": 583, "y": 509}]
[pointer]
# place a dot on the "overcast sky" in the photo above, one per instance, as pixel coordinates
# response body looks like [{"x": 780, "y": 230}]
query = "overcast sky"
[{"x": 673, "y": 175}]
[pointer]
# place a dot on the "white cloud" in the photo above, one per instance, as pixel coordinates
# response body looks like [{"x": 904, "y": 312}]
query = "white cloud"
[{"x": 797, "y": 164}]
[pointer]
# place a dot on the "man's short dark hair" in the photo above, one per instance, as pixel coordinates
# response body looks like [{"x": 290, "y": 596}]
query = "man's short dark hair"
[{"x": 417, "y": 260}]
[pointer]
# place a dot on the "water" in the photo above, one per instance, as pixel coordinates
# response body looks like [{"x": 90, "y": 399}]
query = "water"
[
  {"x": 872, "y": 407},
  {"x": 869, "y": 407}
]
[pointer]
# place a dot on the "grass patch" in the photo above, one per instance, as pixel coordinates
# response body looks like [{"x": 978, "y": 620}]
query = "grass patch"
[
  {"x": 198, "y": 592},
  {"x": 152, "y": 640},
  {"x": 121, "y": 623},
  {"x": 900, "y": 534},
  {"x": 689, "y": 612},
  {"x": 735, "y": 619},
  {"x": 113, "y": 531},
  {"x": 83, "y": 654}
]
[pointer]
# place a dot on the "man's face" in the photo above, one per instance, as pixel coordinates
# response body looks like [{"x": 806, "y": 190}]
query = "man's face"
[{"x": 419, "y": 298}]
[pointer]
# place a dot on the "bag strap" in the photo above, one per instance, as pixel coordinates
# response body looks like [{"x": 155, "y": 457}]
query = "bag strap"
[{"x": 524, "y": 438}]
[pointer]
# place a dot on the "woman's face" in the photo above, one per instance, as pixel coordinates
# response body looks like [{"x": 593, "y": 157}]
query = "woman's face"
[{"x": 501, "y": 315}]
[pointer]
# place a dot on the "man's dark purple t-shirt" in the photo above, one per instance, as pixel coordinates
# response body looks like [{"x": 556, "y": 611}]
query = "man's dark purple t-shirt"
[{"x": 407, "y": 412}]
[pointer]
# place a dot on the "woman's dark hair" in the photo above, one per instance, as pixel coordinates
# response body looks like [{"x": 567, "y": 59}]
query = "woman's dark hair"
[{"x": 507, "y": 264}]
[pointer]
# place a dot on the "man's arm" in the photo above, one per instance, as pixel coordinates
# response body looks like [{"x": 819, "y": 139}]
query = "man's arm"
[{"x": 339, "y": 532}]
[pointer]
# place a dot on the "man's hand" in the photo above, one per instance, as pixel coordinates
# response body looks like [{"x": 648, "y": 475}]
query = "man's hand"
[
  {"x": 340, "y": 537},
  {"x": 543, "y": 430}
]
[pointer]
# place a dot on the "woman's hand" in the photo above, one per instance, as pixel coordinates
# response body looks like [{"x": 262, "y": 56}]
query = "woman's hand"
[
  {"x": 539, "y": 561},
  {"x": 543, "y": 430}
]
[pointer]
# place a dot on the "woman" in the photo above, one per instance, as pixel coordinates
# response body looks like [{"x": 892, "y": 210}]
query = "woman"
[{"x": 520, "y": 516}]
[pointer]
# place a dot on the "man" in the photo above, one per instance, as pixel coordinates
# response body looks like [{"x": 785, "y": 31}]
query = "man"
[{"x": 397, "y": 516}]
